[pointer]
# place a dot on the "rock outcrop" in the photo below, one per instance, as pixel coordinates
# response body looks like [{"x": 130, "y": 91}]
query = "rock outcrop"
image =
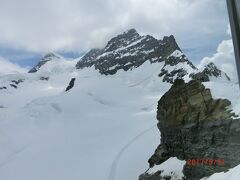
[
  {"x": 14, "y": 83},
  {"x": 44, "y": 78},
  {"x": 3, "y": 87},
  {"x": 71, "y": 84},
  {"x": 193, "y": 125}
]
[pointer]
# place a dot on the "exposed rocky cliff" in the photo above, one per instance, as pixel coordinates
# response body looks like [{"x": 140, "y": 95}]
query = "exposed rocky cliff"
[{"x": 194, "y": 125}]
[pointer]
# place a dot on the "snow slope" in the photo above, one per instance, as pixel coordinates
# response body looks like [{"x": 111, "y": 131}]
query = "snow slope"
[
  {"x": 172, "y": 167},
  {"x": 232, "y": 174},
  {"x": 104, "y": 128}
]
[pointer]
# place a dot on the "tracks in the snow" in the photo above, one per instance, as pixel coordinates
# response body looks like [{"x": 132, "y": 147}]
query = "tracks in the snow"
[{"x": 117, "y": 158}]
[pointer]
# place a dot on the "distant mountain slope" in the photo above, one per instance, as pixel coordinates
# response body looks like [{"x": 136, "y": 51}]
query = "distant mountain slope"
[
  {"x": 44, "y": 60},
  {"x": 210, "y": 71},
  {"x": 130, "y": 50}
]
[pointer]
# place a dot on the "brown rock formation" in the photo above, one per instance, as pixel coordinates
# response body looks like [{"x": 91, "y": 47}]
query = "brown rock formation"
[{"x": 193, "y": 125}]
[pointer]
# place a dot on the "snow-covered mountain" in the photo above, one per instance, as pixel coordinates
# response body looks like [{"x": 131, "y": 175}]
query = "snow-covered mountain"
[
  {"x": 210, "y": 72},
  {"x": 48, "y": 57},
  {"x": 103, "y": 128},
  {"x": 130, "y": 50}
]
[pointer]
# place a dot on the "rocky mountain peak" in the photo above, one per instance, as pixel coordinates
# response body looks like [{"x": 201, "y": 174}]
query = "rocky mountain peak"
[
  {"x": 210, "y": 71},
  {"x": 170, "y": 38},
  {"x": 48, "y": 57},
  {"x": 130, "y": 50},
  {"x": 131, "y": 33},
  {"x": 170, "y": 41},
  {"x": 121, "y": 40}
]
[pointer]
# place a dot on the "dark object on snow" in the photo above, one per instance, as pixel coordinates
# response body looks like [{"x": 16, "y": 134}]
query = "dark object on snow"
[
  {"x": 44, "y": 78},
  {"x": 17, "y": 81},
  {"x": 13, "y": 85},
  {"x": 4, "y": 87},
  {"x": 71, "y": 84}
]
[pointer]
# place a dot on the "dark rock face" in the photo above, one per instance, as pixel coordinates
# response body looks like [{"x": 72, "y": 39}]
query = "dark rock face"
[
  {"x": 17, "y": 81},
  {"x": 210, "y": 70},
  {"x": 180, "y": 72},
  {"x": 44, "y": 78},
  {"x": 3, "y": 87},
  {"x": 44, "y": 60},
  {"x": 13, "y": 85},
  {"x": 193, "y": 125},
  {"x": 191, "y": 102},
  {"x": 88, "y": 59},
  {"x": 71, "y": 84},
  {"x": 130, "y": 50}
]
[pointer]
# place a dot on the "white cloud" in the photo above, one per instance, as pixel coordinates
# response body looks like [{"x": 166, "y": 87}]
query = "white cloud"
[
  {"x": 78, "y": 24},
  {"x": 8, "y": 67},
  {"x": 224, "y": 58}
]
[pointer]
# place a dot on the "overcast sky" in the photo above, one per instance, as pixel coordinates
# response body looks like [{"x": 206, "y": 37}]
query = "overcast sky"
[{"x": 32, "y": 27}]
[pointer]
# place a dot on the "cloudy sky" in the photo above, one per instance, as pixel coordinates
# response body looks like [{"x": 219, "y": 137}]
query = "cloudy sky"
[
  {"x": 30, "y": 28},
  {"x": 224, "y": 58}
]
